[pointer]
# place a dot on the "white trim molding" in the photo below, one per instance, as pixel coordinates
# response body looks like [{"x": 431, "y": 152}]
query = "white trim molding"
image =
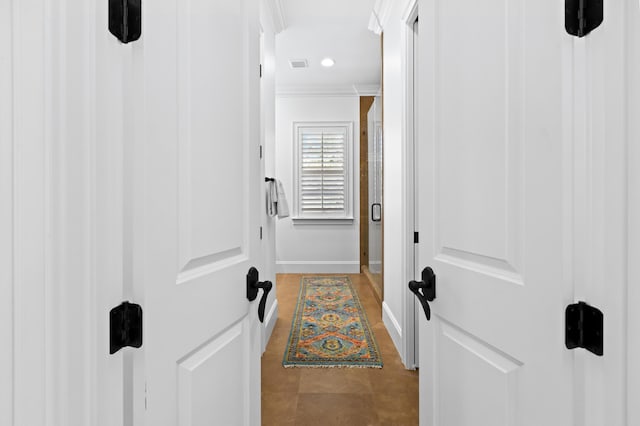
[
  {"x": 323, "y": 91},
  {"x": 380, "y": 16},
  {"x": 276, "y": 10},
  {"x": 318, "y": 267},
  {"x": 633, "y": 217},
  {"x": 269, "y": 324},
  {"x": 409, "y": 356},
  {"x": 367, "y": 89},
  {"x": 393, "y": 326},
  {"x": 349, "y": 165}
]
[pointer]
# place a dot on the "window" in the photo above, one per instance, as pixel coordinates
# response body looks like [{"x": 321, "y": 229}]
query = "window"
[{"x": 323, "y": 184}]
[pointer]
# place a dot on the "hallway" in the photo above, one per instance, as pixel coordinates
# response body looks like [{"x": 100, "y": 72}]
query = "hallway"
[{"x": 335, "y": 396}]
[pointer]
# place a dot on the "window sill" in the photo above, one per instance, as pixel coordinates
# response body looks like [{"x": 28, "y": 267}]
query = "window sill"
[{"x": 322, "y": 220}]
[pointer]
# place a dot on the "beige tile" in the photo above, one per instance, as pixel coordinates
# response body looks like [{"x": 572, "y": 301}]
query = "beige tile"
[
  {"x": 276, "y": 378},
  {"x": 334, "y": 380},
  {"x": 335, "y": 410},
  {"x": 279, "y": 408},
  {"x": 396, "y": 409},
  {"x": 393, "y": 380}
]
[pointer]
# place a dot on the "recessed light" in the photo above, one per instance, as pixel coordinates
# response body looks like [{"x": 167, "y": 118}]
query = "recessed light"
[{"x": 328, "y": 62}]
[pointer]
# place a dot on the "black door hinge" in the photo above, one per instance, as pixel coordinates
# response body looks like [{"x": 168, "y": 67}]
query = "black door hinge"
[
  {"x": 125, "y": 19},
  {"x": 261, "y": 232},
  {"x": 260, "y": 70},
  {"x": 416, "y": 238},
  {"x": 584, "y": 328},
  {"x": 582, "y": 16},
  {"x": 125, "y": 327}
]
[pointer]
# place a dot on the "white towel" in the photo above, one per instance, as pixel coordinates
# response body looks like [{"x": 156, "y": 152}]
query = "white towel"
[
  {"x": 282, "y": 206},
  {"x": 272, "y": 198}
]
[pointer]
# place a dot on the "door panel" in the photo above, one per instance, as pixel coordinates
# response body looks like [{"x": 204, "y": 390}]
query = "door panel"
[
  {"x": 480, "y": 105},
  {"x": 197, "y": 210},
  {"x": 210, "y": 82},
  {"x": 491, "y": 378},
  {"x": 492, "y": 199},
  {"x": 202, "y": 401}
]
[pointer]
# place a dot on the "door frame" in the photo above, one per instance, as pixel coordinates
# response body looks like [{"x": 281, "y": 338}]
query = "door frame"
[
  {"x": 601, "y": 210},
  {"x": 270, "y": 26},
  {"x": 7, "y": 355},
  {"x": 633, "y": 269},
  {"x": 633, "y": 213},
  {"x": 410, "y": 333}
]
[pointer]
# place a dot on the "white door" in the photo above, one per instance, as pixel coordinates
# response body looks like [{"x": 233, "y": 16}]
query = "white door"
[
  {"x": 195, "y": 188},
  {"x": 494, "y": 218}
]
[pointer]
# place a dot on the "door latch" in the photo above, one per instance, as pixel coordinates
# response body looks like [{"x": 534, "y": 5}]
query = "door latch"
[
  {"x": 425, "y": 290},
  {"x": 253, "y": 285}
]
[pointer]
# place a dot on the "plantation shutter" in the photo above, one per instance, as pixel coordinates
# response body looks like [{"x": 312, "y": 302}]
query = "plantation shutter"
[{"x": 323, "y": 171}]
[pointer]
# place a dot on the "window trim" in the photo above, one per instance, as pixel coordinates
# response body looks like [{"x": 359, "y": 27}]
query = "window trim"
[{"x": 345, "y": 218}]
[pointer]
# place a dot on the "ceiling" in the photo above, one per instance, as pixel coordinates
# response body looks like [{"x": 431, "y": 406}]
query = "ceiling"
[{"x": 315, "y": 29}]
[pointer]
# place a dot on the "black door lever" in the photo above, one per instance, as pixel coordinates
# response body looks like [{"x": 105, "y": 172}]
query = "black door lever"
[
  {"x": 253, "y": 285},
  {"x": 425, "y": 290}
]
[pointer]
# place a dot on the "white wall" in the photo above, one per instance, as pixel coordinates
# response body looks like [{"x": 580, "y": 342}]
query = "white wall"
[
  {"x": 315, "y": 248},
  {"x": 396, "y": 228}
]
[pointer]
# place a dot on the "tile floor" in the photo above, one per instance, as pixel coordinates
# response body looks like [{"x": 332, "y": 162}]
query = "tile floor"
[{"x": 335, "y": 396}]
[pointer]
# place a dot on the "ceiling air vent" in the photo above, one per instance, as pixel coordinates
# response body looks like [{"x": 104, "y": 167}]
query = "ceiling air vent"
[{"x": 298, "y": 63}]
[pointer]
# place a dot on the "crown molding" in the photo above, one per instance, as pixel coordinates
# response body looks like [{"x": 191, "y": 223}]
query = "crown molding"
[
  {"x": 367, "y": 89},
  {"x": 301, "y": 91},
  {"x": 277, "y": 15},
  {"x": 380, "y": 15}
]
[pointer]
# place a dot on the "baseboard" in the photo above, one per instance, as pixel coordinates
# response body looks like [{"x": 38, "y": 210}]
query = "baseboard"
[
  {"x": 318, "y": 267},
  {"x": 376, "y": 286},
  {"x": 393, "y": 327},
  {"x": 269, "y": 324}
]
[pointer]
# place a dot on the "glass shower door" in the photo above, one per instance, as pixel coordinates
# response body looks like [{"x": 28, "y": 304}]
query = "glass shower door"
[{"x": 374, "y": 122}]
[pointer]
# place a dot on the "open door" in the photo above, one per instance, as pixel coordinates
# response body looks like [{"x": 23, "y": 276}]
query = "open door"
[
  {"x": 194, "y": 178},
  {"x": 493, "y": 193}
]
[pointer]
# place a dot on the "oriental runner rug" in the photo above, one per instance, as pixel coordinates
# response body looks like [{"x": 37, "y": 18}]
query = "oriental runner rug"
[{"x": 330, "y": 327}]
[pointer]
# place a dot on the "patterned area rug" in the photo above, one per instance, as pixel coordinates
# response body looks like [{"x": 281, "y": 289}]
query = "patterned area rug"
[{"x": 330, "y": 327}]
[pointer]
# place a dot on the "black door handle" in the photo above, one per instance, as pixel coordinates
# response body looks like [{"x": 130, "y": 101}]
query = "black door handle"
[
  {"x": 376, "y": 212},
  {"x": 253, "y": 285},
  {"x": 425, "y": 290}
]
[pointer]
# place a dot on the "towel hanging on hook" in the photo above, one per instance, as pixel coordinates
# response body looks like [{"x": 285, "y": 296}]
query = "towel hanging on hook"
[{"x": 271, "y": 196}]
